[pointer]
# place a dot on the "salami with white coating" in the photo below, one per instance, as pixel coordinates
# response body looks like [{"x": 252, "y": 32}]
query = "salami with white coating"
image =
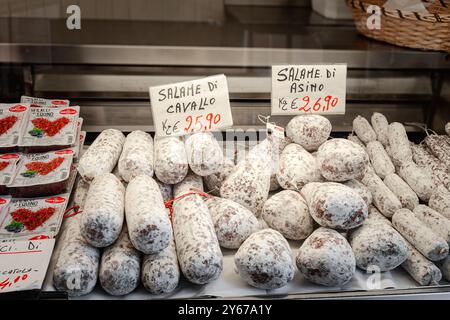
[
  {"x": 417, "y": 179},
  {"x": 399, "y": 146},
  {"x": 421, "y": 269},
  {"x": 361, "y": 189},
  {"x": 433, "y": 220},
  {"x": 381, "y": 127},
  {"x": 214, "y": 181},
  {"x": 204, "y": 154},
  {"x": 170, "y": 159},
  {"x": 309, "y": 130},
  {"x": 402, "y": 190},
  {"x": 440, "y": 201},
  {"x": 364, "y": 130},
  {"x": 381, "y": 162}
]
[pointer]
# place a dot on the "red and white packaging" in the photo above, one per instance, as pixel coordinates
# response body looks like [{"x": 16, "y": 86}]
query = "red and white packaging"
[
  {"x": 42, "y": 174},
  {"x": 41, "y": 102},
  {"x": 4, "y": 204},
  {"x": 50, "y": 128},
  {"x": 81, "y": 144},
  {"x": 76, "y": 145},
  {"x": 8, "y": 167},
  {"x": 13, "y": 118},
  {"x": 35, "y": 218}
]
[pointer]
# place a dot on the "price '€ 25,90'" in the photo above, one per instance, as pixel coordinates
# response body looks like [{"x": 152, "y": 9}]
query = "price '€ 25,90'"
[{"x": 191, "y": 106}]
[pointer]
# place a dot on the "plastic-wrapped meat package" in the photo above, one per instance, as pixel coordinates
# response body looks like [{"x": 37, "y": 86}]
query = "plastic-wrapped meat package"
[
  {"x": 50, "y": 128},
  {"x": 28, "y": 218},
  {"x": 76, "y": 144},
  {"x": 42, "y": 174},
  {"x": 41, "y": 102},
  {"x": 13, "y": 118},
  {"x": 8, "y": 167}
]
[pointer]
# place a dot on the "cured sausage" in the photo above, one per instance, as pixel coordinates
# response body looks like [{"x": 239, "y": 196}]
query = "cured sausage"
[
  {"x": 439, "y": 148},
  {"x": 102, "y": 155},
  {"x": 417, "y": 179},
  {"x": 440, "y": 201},
  {"x": 148, "y": 222},
  {"x": 137, "y": 156},
  {"x": 364, "y": 130},
  {"x": 170, "y": 160},
  {"x": 402, "y": 190},
  {"x": 309, "y": 130},
  {"x": 204, "y": 154},
  {"x": 433, "y": 220},
  {"x": 421, "y": 269},
  {"x": 102, "y": 218},
  {"x": 381, "y": 127},
  {"x": 399, "y": 147},
  {"x": 361, "y": 189},
  {"x": 379, "y": 158},
  {"x": 432, "y": 166},
  {"x": 355, "y": 139},
  {"x": 214, "y": 181}
]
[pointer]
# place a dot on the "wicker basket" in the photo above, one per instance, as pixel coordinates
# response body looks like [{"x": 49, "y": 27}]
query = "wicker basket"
[{"x": 429, "y": 31}]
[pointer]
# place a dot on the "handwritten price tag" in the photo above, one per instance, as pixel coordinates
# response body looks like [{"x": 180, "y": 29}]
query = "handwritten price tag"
[
  {"x": 191, "y": 106},
  {"x": 23, "y": 264},
  {"x": 309, "y": 89}
]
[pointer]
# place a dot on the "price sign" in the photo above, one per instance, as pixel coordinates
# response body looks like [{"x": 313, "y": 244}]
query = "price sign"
[
  {"x": 191, "y": 106},
  {"x": 23, "y": 264},
  {"x": 309, "y": 89}
]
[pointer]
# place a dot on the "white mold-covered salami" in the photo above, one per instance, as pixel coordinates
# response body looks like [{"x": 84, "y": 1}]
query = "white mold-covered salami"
[
  {"x": 355, "y": 139},
  {"x": 402, "y": 190},
  {"x": 198, "y": 249},
  {"x": 102, "y": 155},
  {"x": 80, "y": 193},
  {"x": 341, "y": 160},
  {"x": 120, "y": 266},
  {"x": 376, "y": 216},
  {"x": 399, "y": 146},
  {"x": 76, "y": 267},
  {"x": 430, "y": 244},
  {"x": 166, "y": 190},
  {"x": 288, "y": 213},
  {"x": 326, "y": 258},
  {"x": 309, "y": 130},
  {"x": 334, "y": 205},
  {"x": 361, "y": 189},
  {"x": 439, "y": 148},
  {"x": 383, "y": 198},
  {"x": 364, "y": 130},
  {"x": 170, "y": 159},
  {"x": 421, "y": 269},
  {"x": 249, "y": 183},
  {"x": 381, "y": 127},
  {"x": 432, "y": 166},
  {"x": 233, "y": 223},
  {"x": 102, "y": 218},
  {"x": 264, "y": 260},
  {"x": 204, "y": 154},
  {"x": 297, "y": 168},
  {"x": 377, "y": 244},
  {"x": 160, "y": 271},
  {"x": 147, "y": 219},
  {"x": 434, "y": 220},
  {"x": 444, "y": 266},
  {"x": 440, "y": 201},
  {"x": 214, "y": 181},
  {"x": 417, "y": 179},
  {"x": 137, "y": 156},
  {"x": 379, "y": 158}
]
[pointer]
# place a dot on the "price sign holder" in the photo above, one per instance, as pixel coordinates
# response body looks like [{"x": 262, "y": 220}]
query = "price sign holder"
[
  {"x": 300, "y": 89},
  {"x": 191, "y": 106}
]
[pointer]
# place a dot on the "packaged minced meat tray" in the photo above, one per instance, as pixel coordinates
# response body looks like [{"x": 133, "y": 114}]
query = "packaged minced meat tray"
[
  {"x": 26, "y": 218},
  {"x": 12, "y": 121},
  {"x": 50, "y": 128},
  {"x": 8, "y": 167},
  {"x": 41, "y": 102},
  {"x": 42, "y": 174}
]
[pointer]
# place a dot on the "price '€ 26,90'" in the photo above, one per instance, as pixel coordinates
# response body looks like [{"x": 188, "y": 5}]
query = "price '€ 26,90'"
[{"x": 191, "y": 106}]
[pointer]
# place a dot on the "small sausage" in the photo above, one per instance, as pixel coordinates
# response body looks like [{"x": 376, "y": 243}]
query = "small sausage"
[
  {"x": 288, "y": 213},
  {"x": 309, "y": 130},
  {"x": 102, "y": 218},
  {"x": 334, "y": 205},
  {"x": 102, "y": 155},
  {"x": 433, "y": 220},
  {"x": 383, "y": 198},
  {"x": 264, "y": 260},
  {"x": 204, "y": 154},
  {"x": 440, "y": 201},
  {"x": 214, "y": 181},
  {"x": 381, "y": 127},
  {"x": 77, "y": 264},
  {"x": 402, "y": 190},
  {"x": 160, "y": 271},
  {"x": 421, "y": 269},
  {"x": 233, "y": 223},
  {"x": 148, "y": 222},
  {"x": 417, "y": 179},
  {"x": 400, "y": 149},
  {"x": 170, "y": 160},
  {"x": 120, "y": 266},
  {"x": 361, "y": 189},
  {"x": 297, "y": 167},
  {"x": 379, "y": 158},
  {"x": 341, "y": 160},
  {"x": 439, "y": 148},
  {"x": 137, "y": 156},
  {"x": 431, "y": 245},
  {"x": 432, "y": 166},
  {"x": 326, "y": 258},
  {"x": 364, "y": 130},
  {"x": 377, "y": 244}
]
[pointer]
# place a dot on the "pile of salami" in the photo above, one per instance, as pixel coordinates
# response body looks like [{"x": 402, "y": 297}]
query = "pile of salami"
[{"x": 154, "y": 210}]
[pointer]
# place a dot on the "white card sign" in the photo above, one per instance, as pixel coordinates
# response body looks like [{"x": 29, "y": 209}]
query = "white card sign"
[
  {"x": 23, "y": 264},
  {"x": 299, "y": 89},
  {"x": 191, "y": 106}
]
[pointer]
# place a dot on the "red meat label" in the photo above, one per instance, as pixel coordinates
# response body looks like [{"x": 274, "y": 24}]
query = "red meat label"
[
  {"x": 18, "y": 108},
  {"x": 9, "y": 156},
  {"x": 55, "y": 200},
  {"x": 64, "y": 152},
  {"x": 2, "y": 201},
  {"x": 3, "y": 165},
  {"x": 40, "y": 237},
  {"x": 68, "y": 111},
  {"x": 59, "y": 102}
]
